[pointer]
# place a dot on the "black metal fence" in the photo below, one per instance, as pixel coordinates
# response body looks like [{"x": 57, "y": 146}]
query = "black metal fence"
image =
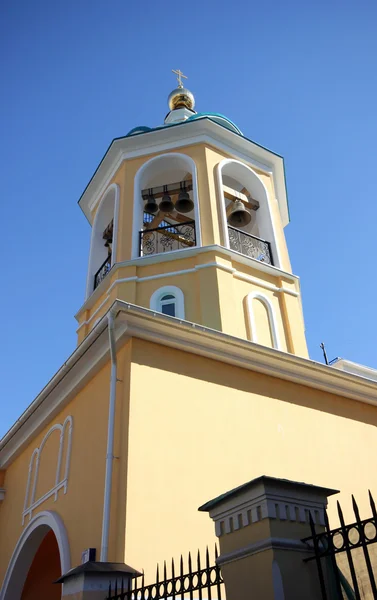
[
  {"x": 250, "y": 245},
  {"x": 167, "y": 238},
  {"x": 102, "y": 271},
  {"x": 346, "y": 560},
  {"x": 199, "y": 581}
]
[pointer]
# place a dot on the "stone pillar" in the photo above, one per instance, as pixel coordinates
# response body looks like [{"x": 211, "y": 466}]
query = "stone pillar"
[
  {"x": 91, "y": 580},
  {"x": 260, "y": 526}
]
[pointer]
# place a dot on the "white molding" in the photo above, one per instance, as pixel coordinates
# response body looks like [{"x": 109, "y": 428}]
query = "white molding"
[
  {"x": 105, "y": 301},
  {"x": 237, "y": 274},
  {"x": 178, "y": 136},
  {"x": 264, "y": 201},
  {"x": 26, "y": 547},
  {"x": 30, "y": 503},
  {"x": 270, "y": 543},
  {"x": 173, "y": 255},
  {"x": 114, "y": 187},
  {"x": 271, "y": 317},
  {"x": 155, "y": 301},
  {"x": 64, "y": 385},
  {"x": 117, "y": 158},
  {"x": 138, "y": 207},
  {"x": 142, "y": 323}
]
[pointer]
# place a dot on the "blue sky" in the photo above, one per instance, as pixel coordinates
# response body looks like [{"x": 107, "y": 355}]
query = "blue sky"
[{"x": 296, "y": 77}]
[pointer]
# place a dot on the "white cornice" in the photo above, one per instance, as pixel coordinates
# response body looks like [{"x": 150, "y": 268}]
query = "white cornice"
[
  {"x": 165, "y": 257},
  {"x": 142, "y": 323},
  {"x": 176, "y": 136}
]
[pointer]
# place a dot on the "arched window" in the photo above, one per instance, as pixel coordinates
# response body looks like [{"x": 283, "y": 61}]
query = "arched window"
[
  {"x": 168, "y": 300},
  {"x": 262, "y": 320},
  {"x": 166, "y": 215},
  {"x": 103, "y": 241},
  {"x": 244, "y": 193}
]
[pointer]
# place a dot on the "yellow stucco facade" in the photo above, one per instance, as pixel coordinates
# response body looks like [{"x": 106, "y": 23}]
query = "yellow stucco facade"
[{"x": 216, "y": 395}]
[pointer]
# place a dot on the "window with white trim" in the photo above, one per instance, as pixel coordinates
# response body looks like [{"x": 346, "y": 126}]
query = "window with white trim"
[
  {"x": 168, "y": 300},
  {"x": 167, "y": 303},
  {"x": 262, "y": 320}
]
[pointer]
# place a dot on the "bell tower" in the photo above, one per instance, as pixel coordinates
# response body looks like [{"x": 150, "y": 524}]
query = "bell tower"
[{"x": 188, "y": 220}]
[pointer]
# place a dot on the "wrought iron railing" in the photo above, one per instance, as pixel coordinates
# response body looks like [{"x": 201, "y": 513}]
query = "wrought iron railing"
[
  {"x": 102, "y": 271},
  {"x": 354, "y": 576},
  {"x": 165, "y": 239},
  {"x": 250, "y": 245},
  {"x": 195, "y": 579}
]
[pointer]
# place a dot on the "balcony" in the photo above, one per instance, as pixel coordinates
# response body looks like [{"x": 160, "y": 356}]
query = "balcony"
[
  {"x": 250, "y": 245},
  {"x": 102, "y": 271},
  {"x": 167, "y": 238}
]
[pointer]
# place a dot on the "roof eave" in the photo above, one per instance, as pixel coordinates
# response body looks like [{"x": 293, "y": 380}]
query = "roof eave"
[{"x": 143, "y": 143}]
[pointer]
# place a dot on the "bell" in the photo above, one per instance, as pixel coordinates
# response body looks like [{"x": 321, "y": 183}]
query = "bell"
[
  {"x": 239, "y": 216},
  {"x": 184, "y": 203},
  {"x": 151, "y": 205},
  {"x": 166, "y": 204}
]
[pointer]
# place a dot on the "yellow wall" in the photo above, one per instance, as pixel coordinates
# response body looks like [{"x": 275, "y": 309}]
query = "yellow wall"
[
  {"x": 199, "y": 428},
  {"x": 81, "y": 507},
  {"x": 187, "y": 429}
]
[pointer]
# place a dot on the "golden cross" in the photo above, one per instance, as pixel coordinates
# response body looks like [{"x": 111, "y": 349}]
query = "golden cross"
[{"x": 179, "y": 75}]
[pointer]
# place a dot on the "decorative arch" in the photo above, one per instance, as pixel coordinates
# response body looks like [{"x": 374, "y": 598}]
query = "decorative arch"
[
  {"x": 271, "y": 318},
  {"x": 178, "y": 299},
  {"x": 26, "y": 548},
  {"x": 107, "y": 210},
  {"x": 61, "y": 478},
  {"x": 238, "y": 173},
  {"x": 155, "y": 168}
]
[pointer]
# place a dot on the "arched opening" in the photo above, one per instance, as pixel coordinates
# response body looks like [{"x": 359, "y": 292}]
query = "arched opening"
[
  {"x": 262, "y": 323},
  {"x": 41, "y": 556},
  {"x": 242, "y": 191},
  {"x": 166, "y": 212},
  {"x": 169, "y": 300},
  {"x": 44, "y": 570},
  {"x": 103, "y": 241}
]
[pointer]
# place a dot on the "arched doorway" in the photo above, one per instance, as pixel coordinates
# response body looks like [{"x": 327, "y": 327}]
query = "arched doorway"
[
  {"x": 44, "y": 570},
  {"x": 40, "y": 557}
]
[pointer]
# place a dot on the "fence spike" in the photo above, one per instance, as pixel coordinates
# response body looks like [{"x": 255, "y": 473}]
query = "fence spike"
[
  {"x": 200, "y": 594},
  {"x": 172, "y": 569},
  {"x": 122, "y": 587},
  {"x": 157, "y": 575},
  {"x": 116, "y": 588},
  {"x": 181, "y": 578},
  {"x": 165, "y": 573},
  {"x": 355, "y": 508},
  {"x": 208, "y": 569},
  {"x": 173, "y": 582},
  {"x": 142, "y": 585},
  {"x": 189, "y": 563},
  {"x": 216, "y": 552},
  {"x": 346, "y": 543},
  {"x": 340, "y": 512},
  {"x": 372, "y": 505},
  {"x": 365, "y": 548},
  {"x": 109, "y": 589},
  {"x": 327, "y": 524}
]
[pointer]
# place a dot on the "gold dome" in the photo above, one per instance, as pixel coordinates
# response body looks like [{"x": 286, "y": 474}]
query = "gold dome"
[{"x": 181, "y": 98}]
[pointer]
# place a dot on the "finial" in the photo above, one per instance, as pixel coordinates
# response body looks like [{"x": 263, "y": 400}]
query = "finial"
[
  {"x": 179, "y": 75},
  {"x": 181, "y": 97}
]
